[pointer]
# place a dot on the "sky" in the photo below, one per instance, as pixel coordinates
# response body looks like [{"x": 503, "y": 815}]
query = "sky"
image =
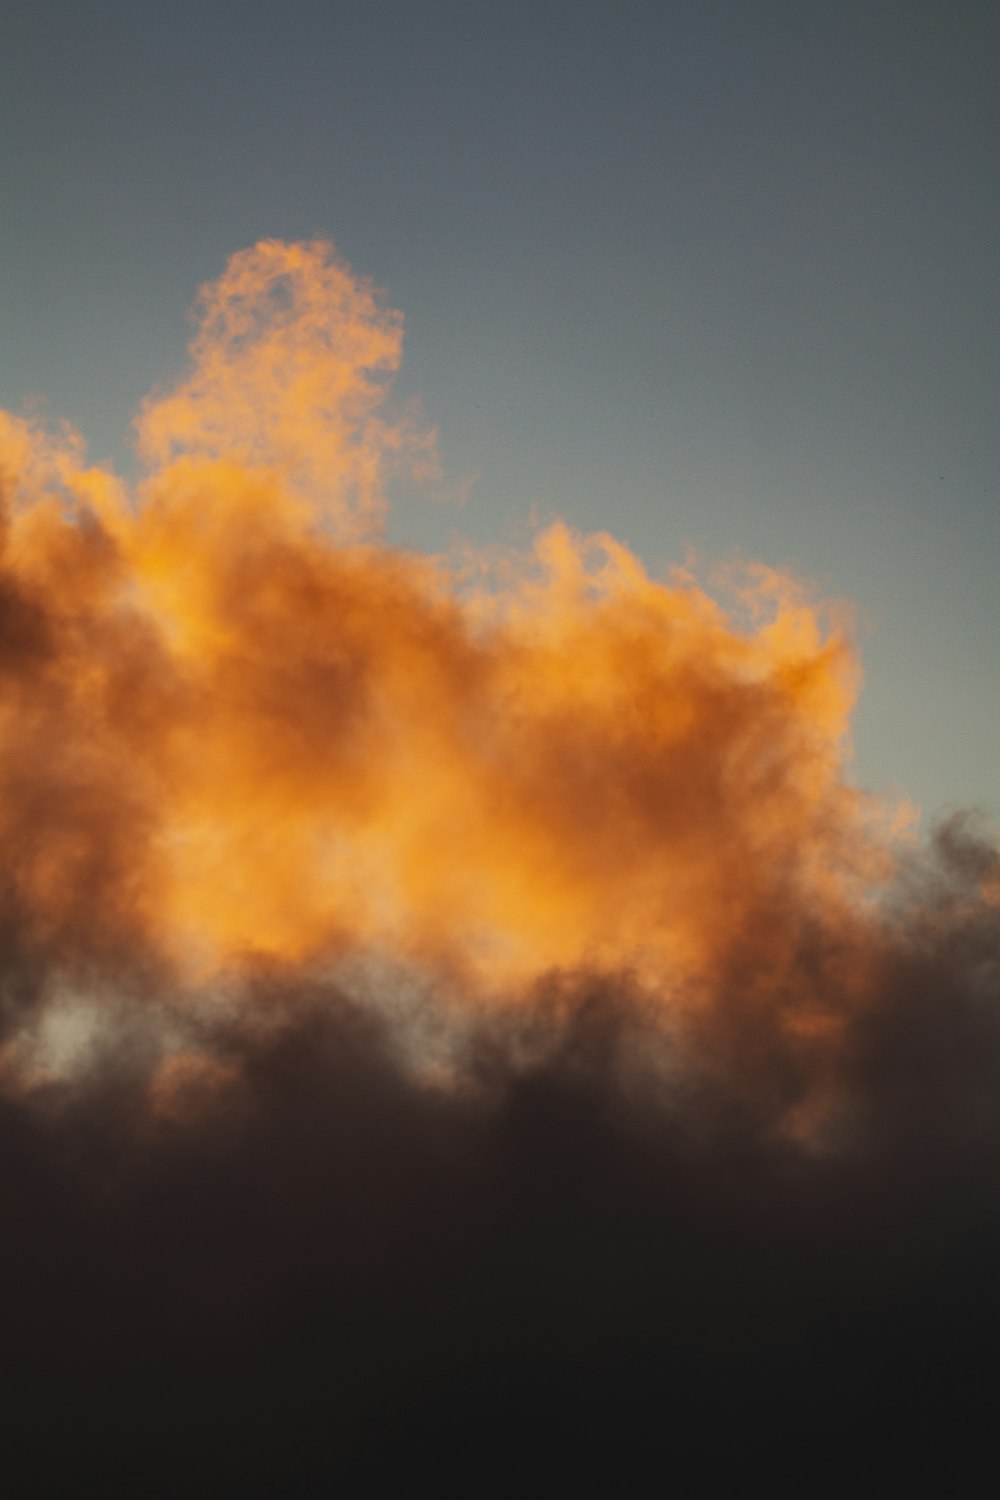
[
  {"x": 716, "y": 278},
  {"x": 462, "y": 1017}
]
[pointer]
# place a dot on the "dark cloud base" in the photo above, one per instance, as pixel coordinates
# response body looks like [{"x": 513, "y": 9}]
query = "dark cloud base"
[{"x": 335, "y": 1278}]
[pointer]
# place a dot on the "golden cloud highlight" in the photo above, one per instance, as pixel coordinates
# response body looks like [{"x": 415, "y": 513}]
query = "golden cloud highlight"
[{"x": 240, "y": 728}]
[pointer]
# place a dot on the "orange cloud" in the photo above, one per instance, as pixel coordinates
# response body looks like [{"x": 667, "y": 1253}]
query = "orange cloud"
[{"x": 238, "y": 725}]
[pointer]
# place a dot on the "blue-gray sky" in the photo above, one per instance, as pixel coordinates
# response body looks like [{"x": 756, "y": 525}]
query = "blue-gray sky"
[{"x": 713, "y": 276}]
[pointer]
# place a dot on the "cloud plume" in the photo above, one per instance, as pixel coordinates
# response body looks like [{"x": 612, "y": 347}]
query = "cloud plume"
[{"x": 454, "y": 1001}]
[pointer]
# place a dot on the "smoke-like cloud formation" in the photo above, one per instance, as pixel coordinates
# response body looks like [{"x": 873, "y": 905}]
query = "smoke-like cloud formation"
[{"x": 457, "y": 1013}]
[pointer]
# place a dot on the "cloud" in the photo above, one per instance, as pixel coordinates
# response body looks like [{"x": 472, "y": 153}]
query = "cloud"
[{"x": 456, "y": 1013}]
